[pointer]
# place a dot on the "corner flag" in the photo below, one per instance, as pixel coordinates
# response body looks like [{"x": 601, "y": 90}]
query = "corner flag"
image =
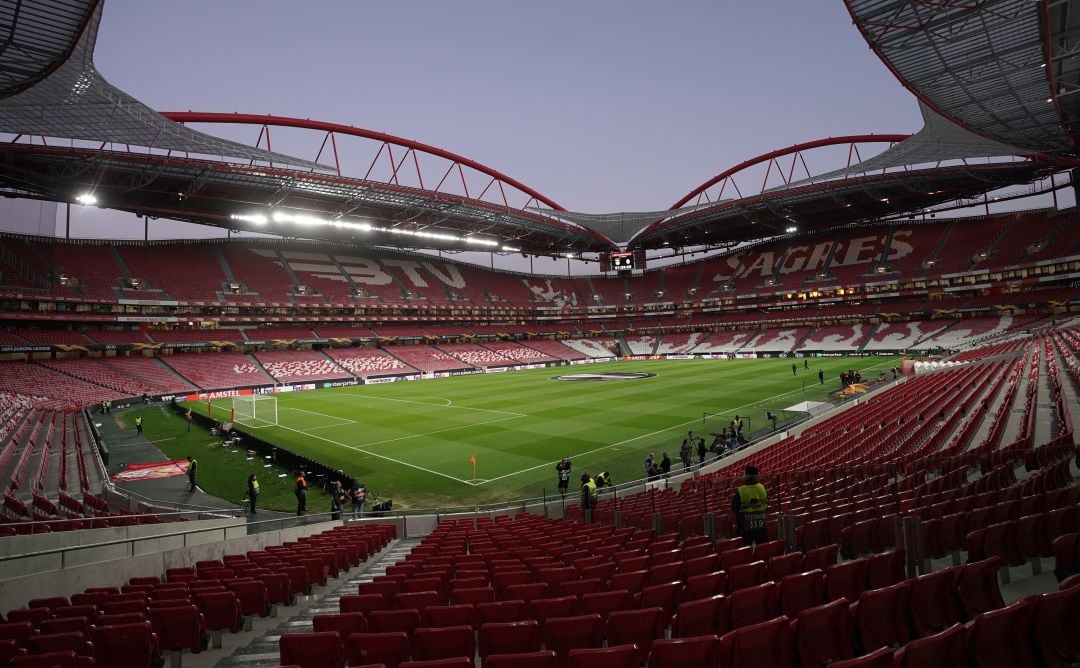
[{"x": 472, "y": 460}]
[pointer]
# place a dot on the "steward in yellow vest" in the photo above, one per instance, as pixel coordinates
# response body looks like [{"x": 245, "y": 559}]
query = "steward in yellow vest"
[{"x": 750, "y": 503}]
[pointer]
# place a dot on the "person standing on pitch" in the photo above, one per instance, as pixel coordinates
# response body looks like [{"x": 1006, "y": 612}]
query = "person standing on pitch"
[
  {"x": 300, "y": 490},
  {"x": 192, "y": 469},
  {"x": 138, "y": 425},
  {"x": 750, "y": 502},
  {"x": 806, "y": 363},
  {"x": 562, "y": 469},
  {"x": 820, "y": 377},
  {"x": 252, "y": 491},
  {"x": 794, "y": 369},
  {"x": 359, "y": 495}
]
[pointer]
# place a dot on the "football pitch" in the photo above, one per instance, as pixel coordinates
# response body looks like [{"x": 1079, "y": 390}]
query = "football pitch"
[{"x": 414, "y": 441}]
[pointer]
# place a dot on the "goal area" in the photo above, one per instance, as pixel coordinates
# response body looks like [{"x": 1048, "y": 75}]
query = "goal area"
[{"x": 256, "y": 410}]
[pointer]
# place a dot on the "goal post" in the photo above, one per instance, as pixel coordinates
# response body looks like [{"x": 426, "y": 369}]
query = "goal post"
[{"x": 256, "y": 410}]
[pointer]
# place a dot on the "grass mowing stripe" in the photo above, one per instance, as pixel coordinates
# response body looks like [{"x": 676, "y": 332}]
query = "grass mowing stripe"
[{"x": 415, "y": 442}]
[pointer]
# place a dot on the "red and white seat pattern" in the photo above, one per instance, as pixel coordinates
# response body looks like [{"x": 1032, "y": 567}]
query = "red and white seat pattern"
[
  {"x": 840, "y": 337},
  {"x": 364, "y": 362},
  {"x": 723, "y": 342},
  {"x": 641, "y": 344},
  {"x": 519, "y": 352},
  {"x": 474, "y": 355},
  {"x": 299, "y": 365},
  {"x": 427, "y": 358},
  {"x": 594, "y": 348},
  {"x": 966, "y": 332},
  {"x": 213, "y": 371},
  {"x": 556, "y": 349},
  {"x": 900, "y": 335},
  {"x": 679, "y": 344}
]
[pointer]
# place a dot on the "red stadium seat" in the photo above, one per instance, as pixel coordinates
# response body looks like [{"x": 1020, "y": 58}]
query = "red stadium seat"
[
  {"x": 977, "y": 587},
  {"x": 604, "y": 603},
  {"x": 824, "y": 634},
  {"x": 943, "y": 650},
  {"x": 618, "y": 656},
  {"x": 934, "y": 605},
  {"x": 637, "y": 627},
  {"x": 312, "y": 650},
  {"x": 763, "y": 645},
  {"x": 694, "y": 652},
  {"x": 753, "y": 605},
  {"x": 443, "y": 643},
  {"x": 1002, "y": 638},
  {"x": 509, "y": 638},
  {"x": 563, "y": 634},
  {"x": 706, "y": 616},
  {"x": 125, "y": 645},
  {"x": 881, "y": 617},
  {"x": 389, "y": 649},
  {"x": 180, "y": 627},
  {"x": 800, "y": 591},
  {"x": 544, "y": 659},
  {"x": 450, "y": 615}
]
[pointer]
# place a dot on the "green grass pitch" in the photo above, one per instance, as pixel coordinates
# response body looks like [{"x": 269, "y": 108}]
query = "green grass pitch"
[{"x": 413, "y": 441}]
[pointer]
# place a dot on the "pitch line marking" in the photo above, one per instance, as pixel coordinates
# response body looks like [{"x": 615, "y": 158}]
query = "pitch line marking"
[
  {"x": 448, "y": 404},
  {"x": 344, "y": 421},
  {"x": 654, "y": 433},
  {"x": 375, "y": 454},
  {"x": 427, "y": 433}
]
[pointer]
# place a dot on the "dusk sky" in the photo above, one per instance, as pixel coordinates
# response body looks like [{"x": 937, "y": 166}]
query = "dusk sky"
[{"x": 602, "y": 105}]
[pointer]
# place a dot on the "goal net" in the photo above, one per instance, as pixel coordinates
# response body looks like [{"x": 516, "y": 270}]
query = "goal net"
[{"x": 256, "y": 410}]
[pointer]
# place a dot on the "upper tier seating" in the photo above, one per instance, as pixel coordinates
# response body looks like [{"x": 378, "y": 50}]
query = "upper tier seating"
[
  {"x": 363, "y": 362},
  {"x": 54, "y": 336},
  {"x": 202, "y": 271},
  {"x": 215, "y": 371},
  {"x": 91, "y": 266},
  {"x": 117, "y": 335},
  {"x": 196, "y": 335},
  {"x": 267, "y": 333},
  {"x": 186, "y": 276},
  {"x": 343, "y": 332},
  {"x": 300, "y": 365},
  {"x": 259, "y": 270}
]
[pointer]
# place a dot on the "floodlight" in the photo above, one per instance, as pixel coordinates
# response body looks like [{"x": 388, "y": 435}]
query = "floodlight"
[
  {"x": 792, "y": 229},
  {"x": 87, "y": 199}
]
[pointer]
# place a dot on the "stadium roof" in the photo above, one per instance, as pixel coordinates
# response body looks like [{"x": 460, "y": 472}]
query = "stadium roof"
[
  {"x": 1003, "y": 69},
  {"x": 957, "y": 58}
]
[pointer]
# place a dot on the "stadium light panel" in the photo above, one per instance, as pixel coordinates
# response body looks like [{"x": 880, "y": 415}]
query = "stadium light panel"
[
  {"x": 792, "y": 229},
  {"x": 255, "y": 218},
  {"x": 87, "y": 199}
]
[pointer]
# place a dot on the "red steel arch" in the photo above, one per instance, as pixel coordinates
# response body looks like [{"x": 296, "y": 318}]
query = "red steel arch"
[
  {"x": 388, "y": 141},
  {"x": 795, "y": 150}
]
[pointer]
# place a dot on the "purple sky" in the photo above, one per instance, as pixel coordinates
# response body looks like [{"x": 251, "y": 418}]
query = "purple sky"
[{"x": 601, "y": 105}]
